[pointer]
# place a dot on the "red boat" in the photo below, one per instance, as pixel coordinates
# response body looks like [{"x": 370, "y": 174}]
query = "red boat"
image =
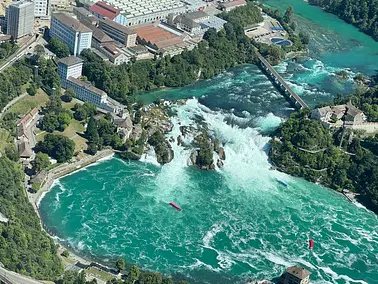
[
  {"x": 311, "y": 244},
  {"x": 175, "y": 206}
]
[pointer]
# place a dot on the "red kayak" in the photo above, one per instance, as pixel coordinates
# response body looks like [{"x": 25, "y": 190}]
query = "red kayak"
[{"x": 175, "y": 206}]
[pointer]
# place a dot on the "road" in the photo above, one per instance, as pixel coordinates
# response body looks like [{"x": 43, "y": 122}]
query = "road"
[
  {"x": 9, "y": 277},
  {"x": 11, "y": 103},
  {"x": 23, "y": 49}
]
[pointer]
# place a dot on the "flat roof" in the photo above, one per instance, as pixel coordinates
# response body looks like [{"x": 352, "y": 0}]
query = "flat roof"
[
  {"x": 71, "y": 22},
  {"x": 117, "y": 26},
  {"x": 87, "y": 86},
  {"x": 71, "y": 60}
]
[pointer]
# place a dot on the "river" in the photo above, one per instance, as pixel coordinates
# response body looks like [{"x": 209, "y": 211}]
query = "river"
[{"x": 237, "y": 223}]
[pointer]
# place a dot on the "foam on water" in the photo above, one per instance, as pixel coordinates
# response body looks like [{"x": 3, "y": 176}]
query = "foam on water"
[{"x": 236, "y": 222}]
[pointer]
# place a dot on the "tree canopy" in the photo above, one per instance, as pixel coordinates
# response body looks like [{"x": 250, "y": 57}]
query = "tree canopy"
[
  {"x": 24, "y": 247},
  {"x": 361, "y": 13},
  {"x": 57, "y": 146}
]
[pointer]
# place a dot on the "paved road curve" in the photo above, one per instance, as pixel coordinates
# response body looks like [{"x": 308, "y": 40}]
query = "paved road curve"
[{"x": 9, "y": 277}]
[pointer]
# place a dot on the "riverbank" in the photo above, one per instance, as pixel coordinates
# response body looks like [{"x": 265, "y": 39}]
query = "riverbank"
[{"x": 63, "y": 170}]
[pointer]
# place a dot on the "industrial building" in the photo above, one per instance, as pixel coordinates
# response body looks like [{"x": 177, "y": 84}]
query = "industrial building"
[
  {"x": 118, "y": 32},
  {"x": 74, "y": 34},
  {"x": 147, "y": 11},
  {"x": 102, "y": 10},
  {"x": 20, "y": 19}
]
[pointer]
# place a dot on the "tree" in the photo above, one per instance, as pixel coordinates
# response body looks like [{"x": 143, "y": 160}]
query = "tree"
[
  {"x": 92, "y": 148},
  {"x": 41, "y": 162},
  {"x": 58, "y": 47},
  {"x": 289, "y": 15},
  {"x": 69, "y": 94},
  {"x": 150, "y": 278},
  {"x": 57, "y": 146},
  {"x": 134, "y": 274},
  {"x": 39, "y": 50},
  {"x": 91, "y": 133},
  {"x": 32, "y": 90},
  {"x": 66, "y": 253},
  {"x": 120, "y": 264},
  {"x": 37, "y": 258}
]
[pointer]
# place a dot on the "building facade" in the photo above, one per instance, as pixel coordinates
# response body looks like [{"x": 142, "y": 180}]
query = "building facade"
[
  {"x": 139, "y": 12},
  {"x": 71, "y": 32},
  {"x": 59, "y": 3},
  {"x": 102, "y": 10},
  {"x": 42, "y": 8},
  {"x": 20, "y": 19},
  {"x": 118, "y": 32},
  {"x": 70, "y": 69}
]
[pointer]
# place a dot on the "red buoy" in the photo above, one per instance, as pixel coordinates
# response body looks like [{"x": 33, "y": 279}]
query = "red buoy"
[{"x": 311, "y": 244}]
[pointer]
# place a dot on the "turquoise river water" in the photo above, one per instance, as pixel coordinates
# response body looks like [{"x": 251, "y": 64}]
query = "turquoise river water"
[{"x": 237, "y": 222}]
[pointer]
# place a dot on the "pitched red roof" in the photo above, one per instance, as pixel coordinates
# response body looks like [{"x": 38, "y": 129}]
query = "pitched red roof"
[{"x": 105, "y": 10}]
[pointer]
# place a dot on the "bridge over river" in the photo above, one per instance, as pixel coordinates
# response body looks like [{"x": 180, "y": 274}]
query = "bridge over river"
[{"x": 280, "y": 83}]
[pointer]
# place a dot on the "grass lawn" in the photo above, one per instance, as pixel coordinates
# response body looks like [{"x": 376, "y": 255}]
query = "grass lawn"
[
  {"x": 70, "y": 132},
  {"x": 69, "y": 105},
  {"x": 5, "y": 139},
  {"x": 92, "y": 271},
  {"x": 27, "y": 103}
]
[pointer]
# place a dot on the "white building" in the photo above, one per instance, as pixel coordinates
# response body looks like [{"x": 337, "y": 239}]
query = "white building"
[
  {"x": 20, "y": 19},
  {"x": 42, "y": 8},
  {"x": 69, "y": 69},
  {"x": 147, "y": 11},
  {"x": 70, "y": 31}
]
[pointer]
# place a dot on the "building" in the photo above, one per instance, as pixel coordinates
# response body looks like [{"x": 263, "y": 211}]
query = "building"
[
  {"x": 84, "y": 16},
  {"x": 353, "y": 115},
  {"x": 70, "y": 69},
  {"x": 114, "y": 54},
  {"x": 230, "y": 5},
  {"x": 295, "y": 275},
  {"x": 102, "y": 10},
  {"x": 42, "y": 8},
  {"x": 60, "y": 3},
  {"x": 187, "y": 24},
  {"x": 118, "y": 32},
  {"x": 20, "y": 19},
  {"x": 87, "y": 92},
  {"x": 139, "y": 12},
  {"x": 70, "y": 31},
  {"x": 338, "y": 115}
]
